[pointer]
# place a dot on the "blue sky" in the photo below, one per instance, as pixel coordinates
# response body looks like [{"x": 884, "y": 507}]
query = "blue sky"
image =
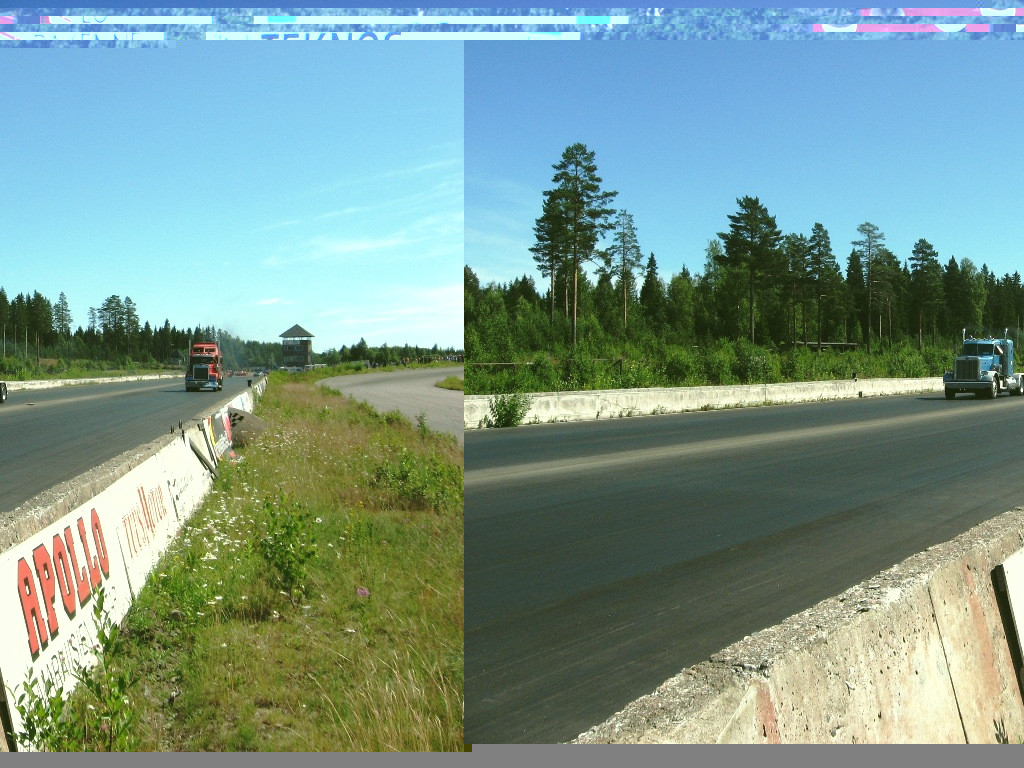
[
  {"x": 920, "y": 138},
  {"x": 246, "y": 186}
]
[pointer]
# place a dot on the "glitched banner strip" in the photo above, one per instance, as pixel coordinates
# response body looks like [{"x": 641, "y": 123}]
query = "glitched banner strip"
[
  {"x": 163, "y": 27},
  {"x": 918, "y": 28},
  {"x": 945, "y": 12}
]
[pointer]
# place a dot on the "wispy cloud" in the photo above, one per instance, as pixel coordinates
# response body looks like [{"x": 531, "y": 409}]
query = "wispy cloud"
[
  {"x": 274, "y": 301},
  {"x": 278, "y": 225},
  {"x": 320, "y": 248},
  {"x": 452, "y": 165},
  {"x": 402, "y": 314}
]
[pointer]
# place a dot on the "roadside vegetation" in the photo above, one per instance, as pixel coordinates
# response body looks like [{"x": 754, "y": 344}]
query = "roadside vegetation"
[
  {"x": 19, "y": 369},
  {"x": 603, "y": 315},
  {"x": 452, "y": 382},
  {"x": 314, "y": 603},
  {"x": 719, "y": 362}
]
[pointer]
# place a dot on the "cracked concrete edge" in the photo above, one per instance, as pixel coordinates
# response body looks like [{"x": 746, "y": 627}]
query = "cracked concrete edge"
[{"x": 876, "y": 663}]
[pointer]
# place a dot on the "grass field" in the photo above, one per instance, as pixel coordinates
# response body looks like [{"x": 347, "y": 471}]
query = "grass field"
[
  {"x": 452, "y": 382},
  {"x": 315, "y": 602}
]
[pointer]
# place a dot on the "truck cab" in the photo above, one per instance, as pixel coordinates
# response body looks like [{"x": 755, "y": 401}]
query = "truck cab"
[
  {"x": 205, "y": 368},
  {"x": 984, "y": 367}
]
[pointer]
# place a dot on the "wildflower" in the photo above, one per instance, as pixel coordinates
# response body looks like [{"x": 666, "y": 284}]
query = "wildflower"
[{"x": 363, "y": 592}]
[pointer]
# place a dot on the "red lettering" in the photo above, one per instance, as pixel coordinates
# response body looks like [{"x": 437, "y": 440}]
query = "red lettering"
[
  {"x": 34, "y": 626},
  {"x": 94, "y": 568},
  {"x": 44, "y": 572},
  {"x": 156, "y": 501},
  {"x": 143, "y": 526},
  {"x": 101, "y": 545},
  {"x": 147, "y": 518},
  {"x": 126, "y": 524},
  {"x": 65, "y": 580},
  {"x": 81, "y": 575}
]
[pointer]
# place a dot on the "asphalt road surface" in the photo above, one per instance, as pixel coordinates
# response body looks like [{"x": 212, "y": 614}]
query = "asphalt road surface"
[
  {"x": 412, "y": 392},
  {"x": 604, "y": 557},
  {"x": 50, "y": 436}
]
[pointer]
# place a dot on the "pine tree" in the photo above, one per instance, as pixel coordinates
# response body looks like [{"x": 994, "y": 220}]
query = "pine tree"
[
  {"x": 752, "y": 244},
  {"x": 579, "y": 213},
  {"x": 926, "y": 287},
  {"x": 623, "y": 259},
  {"x": 653, "y": 297},
  {"x": 868, "y": 246}
]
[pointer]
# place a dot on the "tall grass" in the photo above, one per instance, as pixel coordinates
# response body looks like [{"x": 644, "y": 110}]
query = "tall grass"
[{"x": 368, "y": 653}]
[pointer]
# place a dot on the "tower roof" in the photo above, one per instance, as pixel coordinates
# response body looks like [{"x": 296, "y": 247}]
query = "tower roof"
[{"x": 296, "y": 332}]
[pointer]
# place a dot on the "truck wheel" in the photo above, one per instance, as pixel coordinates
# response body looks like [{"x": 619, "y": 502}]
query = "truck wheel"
[
  {"x": 3, "y": 392},
  {"x": 950, "y": 394}
]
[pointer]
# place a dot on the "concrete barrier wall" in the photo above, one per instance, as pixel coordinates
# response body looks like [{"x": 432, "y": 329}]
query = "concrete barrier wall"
[
  {"x": 106, "y": 529},
  {"x": 550, "y": 407},
  {"x": 923, "y": 653},
  {"x": 22, "y": 386}
]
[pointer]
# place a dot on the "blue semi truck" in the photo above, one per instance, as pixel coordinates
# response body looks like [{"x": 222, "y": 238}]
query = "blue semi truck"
[{"x": 984, "y": 367}]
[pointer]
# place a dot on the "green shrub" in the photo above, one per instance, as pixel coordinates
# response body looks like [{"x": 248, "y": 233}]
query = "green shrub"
[
  {"x": 507, "y": 410},
  {"x": 719, "y": 363},
  {"x": 638, "y": 375},
  {"x": 421, "y": 482},
  {"x": 97, "y": 716},
  {"x": 545, "y": 375},
  {"x": 683, "y": 368},
  {"x": 579, "y": 371},
  {"x": 288, "y": 543},
  {"x": 756, "y": 365}
]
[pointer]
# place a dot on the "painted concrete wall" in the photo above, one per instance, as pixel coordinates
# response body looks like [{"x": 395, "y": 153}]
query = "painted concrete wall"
[
  {"x": 548, "y": 407},
  {"x": 923, "y": 653},
  {"x": 105, "y": 529}
]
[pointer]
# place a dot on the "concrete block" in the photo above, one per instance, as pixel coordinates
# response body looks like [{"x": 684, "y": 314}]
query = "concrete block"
[
  {"x": 550, "y": 407},
  {"x": 917, "y": 654},
  {"x": 980, "y": 663}
]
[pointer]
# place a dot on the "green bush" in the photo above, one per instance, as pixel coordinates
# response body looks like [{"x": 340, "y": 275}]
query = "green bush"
[
  {"x": 507, "y": 410},
  {"x": 639, "y": 375},
  {"x": 683, "y": 368},
  {"x": 719, "y": 363},
  {"x": 544, "y": 374},
  {"x": 579, "y": 371},
  {"x": 421, "y": 482},
  {"x": 288, "y": 543},
  {"x": 97, "y": 715},
  {"x": 756, "y": 365}
]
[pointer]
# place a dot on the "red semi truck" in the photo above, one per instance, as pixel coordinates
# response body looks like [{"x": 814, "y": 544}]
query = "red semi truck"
[{"x": 205, "y": 368}]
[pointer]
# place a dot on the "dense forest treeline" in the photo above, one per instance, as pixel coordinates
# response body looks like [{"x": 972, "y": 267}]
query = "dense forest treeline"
[
  {"x": 37, "y": 337},
  {"x": 762, "y": 301}
]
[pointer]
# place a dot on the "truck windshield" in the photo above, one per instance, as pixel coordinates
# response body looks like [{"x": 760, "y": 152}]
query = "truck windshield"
[
  {"x": 202, "y": 359},
  {"x": 977, "y": 350}
]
